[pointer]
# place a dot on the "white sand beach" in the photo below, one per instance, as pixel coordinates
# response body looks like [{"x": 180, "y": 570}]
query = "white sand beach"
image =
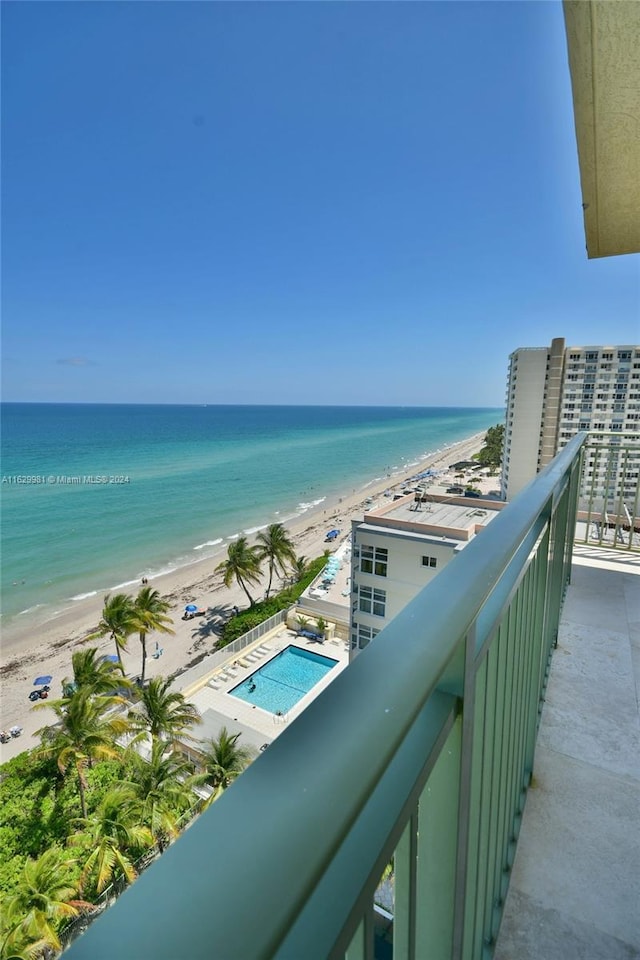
[{"x": 27, "y": 653}]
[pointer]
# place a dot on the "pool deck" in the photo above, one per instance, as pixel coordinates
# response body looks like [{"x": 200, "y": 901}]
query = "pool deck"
[{"x": 219, "y": 708}]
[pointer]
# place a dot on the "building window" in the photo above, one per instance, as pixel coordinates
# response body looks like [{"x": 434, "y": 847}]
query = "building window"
[
  {"x": 372, "y": 600},
  {"x": 374, "y": 560},
  {"x": 429, "y": 562},
  {"x": 366, "y": 635}
]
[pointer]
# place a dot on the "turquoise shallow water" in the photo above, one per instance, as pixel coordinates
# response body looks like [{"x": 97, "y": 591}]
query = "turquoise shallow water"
[{"x": 95, "y": 496}]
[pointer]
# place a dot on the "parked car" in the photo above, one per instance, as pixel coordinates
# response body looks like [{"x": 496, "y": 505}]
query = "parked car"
[
  {"x": 455, "y": 490},
  {"x": 473, "y": 493}
]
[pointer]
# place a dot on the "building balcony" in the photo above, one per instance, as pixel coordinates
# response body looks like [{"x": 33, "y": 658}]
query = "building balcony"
[
  {"x": 415, "y": 764},
  {"x": 575, "y": 888}
]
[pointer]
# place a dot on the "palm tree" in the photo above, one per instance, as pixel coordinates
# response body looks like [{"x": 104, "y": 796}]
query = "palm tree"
[
  {"x": 95, "y": 673},
  {"x": 161, "y": 713},
  {"x": 16, "y": 945},
  {"x": 119, "y": 621},
  {"x": 242, "y": 564},
  {"x": 276, "y": 546},
  {"x": 84, "y": 732},
  {"x": 299, "y": 567},
  {"x": 151, "y": 612},
  {"x": 303, "y": 622},
  {"x": 161, "y": 783},
  {"x": 223, "y": 761},
  {"x": 43, "y": 896},
  {"x": 114, "y": 832}
]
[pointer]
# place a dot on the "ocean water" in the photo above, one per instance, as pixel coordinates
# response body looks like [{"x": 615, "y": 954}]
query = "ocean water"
[{"x": 96, "y": 496}]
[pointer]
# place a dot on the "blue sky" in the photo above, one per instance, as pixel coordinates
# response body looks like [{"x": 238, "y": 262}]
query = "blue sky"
[{"x": 291, "y": 202}]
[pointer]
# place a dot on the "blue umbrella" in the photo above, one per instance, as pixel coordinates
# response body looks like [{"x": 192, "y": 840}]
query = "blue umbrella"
[
  {"x": 191, "y": 608},
  {"x": 111, "y": 657},
  {"x": 41, "y": 681}
]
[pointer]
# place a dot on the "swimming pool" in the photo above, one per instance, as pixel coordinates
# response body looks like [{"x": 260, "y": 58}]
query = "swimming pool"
[{"x": 283, "y": 680}]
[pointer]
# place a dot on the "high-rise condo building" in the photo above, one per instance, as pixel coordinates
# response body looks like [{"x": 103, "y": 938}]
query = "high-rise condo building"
[{"x": 553, "y": 392}]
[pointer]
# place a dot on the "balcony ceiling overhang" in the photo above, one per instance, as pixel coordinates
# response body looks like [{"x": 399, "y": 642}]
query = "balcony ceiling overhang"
[{"x": 603, "y": 38}]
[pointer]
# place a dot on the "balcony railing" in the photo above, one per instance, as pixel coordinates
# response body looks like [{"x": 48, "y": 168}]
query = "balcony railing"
[
  {"x": 419, "y": 753},
  {"x": 609, "y": 502}
]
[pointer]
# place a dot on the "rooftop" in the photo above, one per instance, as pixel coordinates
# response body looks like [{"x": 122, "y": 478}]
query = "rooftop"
[{"x": 431, "y": 513}]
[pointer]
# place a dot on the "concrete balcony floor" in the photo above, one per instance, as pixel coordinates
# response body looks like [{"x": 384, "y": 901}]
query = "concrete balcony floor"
[{"x": 575, "y": 889}]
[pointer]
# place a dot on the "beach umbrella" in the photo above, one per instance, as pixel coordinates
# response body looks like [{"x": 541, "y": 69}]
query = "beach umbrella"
[
  {"x": 110, "y": 657},
  {"x": 191, "y": 608},
  {"x": 41, "y": 681}
]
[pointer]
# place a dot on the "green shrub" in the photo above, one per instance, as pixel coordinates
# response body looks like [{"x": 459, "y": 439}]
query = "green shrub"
[
  {"x": 243, "y": 622},
  {"x": 39, "y": 808}
]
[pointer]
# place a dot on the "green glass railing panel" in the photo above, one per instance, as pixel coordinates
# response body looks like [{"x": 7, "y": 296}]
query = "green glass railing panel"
[
  {"x": 499, "y": 778},
  {"x": 357, "y": 949},
  {"x": 506, "y": 814},
  {"x": 405, "y": 892},
  {"x": 436, "y": 851},
  {"x": 472, "y": 886}
]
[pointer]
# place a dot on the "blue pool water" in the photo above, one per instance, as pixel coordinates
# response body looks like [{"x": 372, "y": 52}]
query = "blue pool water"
[{"x": 280, "y": 683}]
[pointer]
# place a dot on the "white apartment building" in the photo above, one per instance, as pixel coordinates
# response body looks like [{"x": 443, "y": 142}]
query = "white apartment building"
[
  {"x": 553, "y": 392},
  {"x": 400, "y": 547}
]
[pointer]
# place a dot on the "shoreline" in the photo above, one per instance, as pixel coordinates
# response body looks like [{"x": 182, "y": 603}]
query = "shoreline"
[
  {"x": 28, "y": 617},
  {"x": 59, "y": 635},
  {"x": 18, "y": 628}
]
